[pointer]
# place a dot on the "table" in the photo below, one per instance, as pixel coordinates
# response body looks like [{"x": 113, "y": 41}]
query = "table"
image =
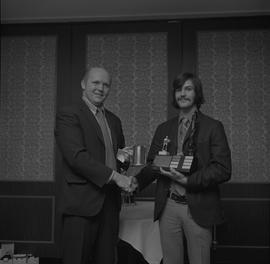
[{"x": 138, "y": 229}]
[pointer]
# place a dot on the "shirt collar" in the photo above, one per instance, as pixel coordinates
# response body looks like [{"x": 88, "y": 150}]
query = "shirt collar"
[
  {"x": 189, "y": 115},
  {"x": 91, "y": 106}
]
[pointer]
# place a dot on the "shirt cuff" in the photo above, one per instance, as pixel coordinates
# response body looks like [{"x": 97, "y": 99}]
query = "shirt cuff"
[{"x": 111, "y": 176}]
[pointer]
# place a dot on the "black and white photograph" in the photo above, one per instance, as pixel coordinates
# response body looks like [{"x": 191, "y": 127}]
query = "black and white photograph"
[{"x": 135, "y": 132}]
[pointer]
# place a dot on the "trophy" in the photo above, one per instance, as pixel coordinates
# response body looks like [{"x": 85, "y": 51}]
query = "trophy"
[
  {"x": 164, "y": 151},
  {"x": 138, "y": 155},
  {"x": 137, "y": 162},
  {"x": 179, "y": 162}
]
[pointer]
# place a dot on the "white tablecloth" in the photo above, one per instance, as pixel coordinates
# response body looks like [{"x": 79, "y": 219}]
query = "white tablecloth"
[{"x": 138, "y": 229}]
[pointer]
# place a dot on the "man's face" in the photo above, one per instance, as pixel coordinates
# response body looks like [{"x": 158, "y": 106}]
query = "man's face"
[
  {"x": 185, "y": 96},
  {"x": 96, "y": 86}
]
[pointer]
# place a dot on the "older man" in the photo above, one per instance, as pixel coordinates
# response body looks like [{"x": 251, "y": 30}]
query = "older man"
[{"x": 89, "y": 136}]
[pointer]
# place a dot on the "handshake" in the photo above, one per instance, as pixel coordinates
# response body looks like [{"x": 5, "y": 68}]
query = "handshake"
[{"x": 127, "y": 184}]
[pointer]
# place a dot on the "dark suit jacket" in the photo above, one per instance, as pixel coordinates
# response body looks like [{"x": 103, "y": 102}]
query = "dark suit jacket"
[
  {"x": 213, "y": 158},
  {"x": 84, "y": 174}
]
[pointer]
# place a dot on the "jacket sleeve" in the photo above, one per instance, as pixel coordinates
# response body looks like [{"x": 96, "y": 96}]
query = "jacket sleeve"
[
  {"x": 218, "y": 168},
  {"x": 70, "y": 139}
]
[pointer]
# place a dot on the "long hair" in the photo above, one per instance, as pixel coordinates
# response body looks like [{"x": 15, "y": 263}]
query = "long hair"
[{"x": 180, "y": 80}]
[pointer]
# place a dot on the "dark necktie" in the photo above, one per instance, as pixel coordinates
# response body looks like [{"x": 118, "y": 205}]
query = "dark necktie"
[{"x": 110, "y": 158}]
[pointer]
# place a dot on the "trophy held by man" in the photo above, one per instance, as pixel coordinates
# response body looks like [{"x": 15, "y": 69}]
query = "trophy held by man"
[{"x": 181, "y": 162}]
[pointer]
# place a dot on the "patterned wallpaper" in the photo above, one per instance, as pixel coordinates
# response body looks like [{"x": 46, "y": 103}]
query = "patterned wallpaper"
[
  {"x": 138, "y": 65},
  {"x": 235, "y": 70},
  {"x": 28, "y": 87},
  {"x": 233, "y": 65}
]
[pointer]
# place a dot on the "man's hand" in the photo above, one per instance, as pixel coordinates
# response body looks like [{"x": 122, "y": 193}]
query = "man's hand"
[
  {"x": 125, "y": 154},
  {"x": 134, "y": 184},
  {"x": 122, "y": 181},
  {"x": 175, "y": 175}
]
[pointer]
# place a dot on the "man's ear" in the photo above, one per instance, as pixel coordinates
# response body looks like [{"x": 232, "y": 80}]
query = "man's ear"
[{"x": 83, "y": 84}]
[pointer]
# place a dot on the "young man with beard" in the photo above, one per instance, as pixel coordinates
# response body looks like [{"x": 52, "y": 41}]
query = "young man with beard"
[{"x": 188, "y": 204}]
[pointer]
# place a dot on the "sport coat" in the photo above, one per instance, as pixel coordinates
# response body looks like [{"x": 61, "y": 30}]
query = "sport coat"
[
  {"x": 213, "y": 158},
  {"x": 84, "y": 176}
]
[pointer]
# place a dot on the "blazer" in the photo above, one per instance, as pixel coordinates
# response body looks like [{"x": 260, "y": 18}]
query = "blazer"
[
  {"x": 84, "y": 176},
  {"x": 213, "y": 160}
]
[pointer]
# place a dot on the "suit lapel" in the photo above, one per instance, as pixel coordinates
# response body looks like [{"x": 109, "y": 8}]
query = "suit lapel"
[{"x": 92, "y": 120}]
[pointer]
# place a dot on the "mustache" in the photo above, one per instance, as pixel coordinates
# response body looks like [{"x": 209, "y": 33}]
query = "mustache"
[{"x": 183, "y": 98}]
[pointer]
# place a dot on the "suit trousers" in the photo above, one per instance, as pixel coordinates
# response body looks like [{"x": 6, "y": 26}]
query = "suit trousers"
[
  {"x": 177, "y": 222},
  {"x": 92, "y": 240}
]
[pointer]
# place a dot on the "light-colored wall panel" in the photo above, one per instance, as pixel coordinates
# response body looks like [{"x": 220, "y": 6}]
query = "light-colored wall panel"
[
  {"x": 28, "y": 89},
  {"x": 235, "y": 70}
]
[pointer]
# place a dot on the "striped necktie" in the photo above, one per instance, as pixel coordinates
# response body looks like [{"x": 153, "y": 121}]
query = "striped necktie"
[
  {"x": 110, "y": 158},
  {"x": 182, "y": 131}
]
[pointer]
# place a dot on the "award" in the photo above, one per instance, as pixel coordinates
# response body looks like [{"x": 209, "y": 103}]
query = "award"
[
  {"x": 179, "y": 162},
  {"x": 138, "y": 155},
  {"x": 164, "y": 150},
  {"x": 137, "y": 163}
]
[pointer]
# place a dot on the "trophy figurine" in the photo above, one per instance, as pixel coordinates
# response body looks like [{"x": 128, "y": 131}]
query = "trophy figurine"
[{"x": 164, "y": 150}]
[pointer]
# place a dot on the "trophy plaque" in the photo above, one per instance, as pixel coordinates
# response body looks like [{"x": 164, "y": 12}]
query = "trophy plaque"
[{"x": 179, "y": 162}]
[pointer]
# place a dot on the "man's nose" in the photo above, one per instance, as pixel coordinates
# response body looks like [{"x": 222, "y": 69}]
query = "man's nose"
[
  {"x": 182, "y": 93},
  {"x": 100, "y": 86}
]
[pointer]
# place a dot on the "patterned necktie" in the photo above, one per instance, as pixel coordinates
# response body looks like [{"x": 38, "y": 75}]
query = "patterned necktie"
[
  {"x": 110, "y": 158},
  {"x": 182, "y": 131}
]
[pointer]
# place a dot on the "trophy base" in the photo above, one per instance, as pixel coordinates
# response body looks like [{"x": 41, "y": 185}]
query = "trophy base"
[
  {"x": 181, "y": 163},
  {"x": 163, "y": 153}
]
